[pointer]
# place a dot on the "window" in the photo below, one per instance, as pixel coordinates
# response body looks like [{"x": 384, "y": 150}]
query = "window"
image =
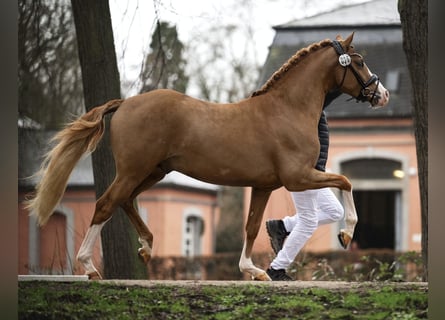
[{"x": 193, "y": 231}]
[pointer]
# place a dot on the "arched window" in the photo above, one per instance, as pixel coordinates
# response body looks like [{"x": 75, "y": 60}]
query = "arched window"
[{"x": 193, "y": 231}]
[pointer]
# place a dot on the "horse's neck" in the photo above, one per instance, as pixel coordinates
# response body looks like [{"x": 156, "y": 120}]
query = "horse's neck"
[{"x": 305, "y": 86}]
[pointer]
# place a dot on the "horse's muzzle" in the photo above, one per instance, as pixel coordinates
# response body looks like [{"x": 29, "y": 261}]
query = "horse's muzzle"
[{"x": 380, "y": 98}]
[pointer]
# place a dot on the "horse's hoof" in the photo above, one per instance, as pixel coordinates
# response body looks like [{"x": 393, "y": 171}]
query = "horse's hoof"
[
  {"x": 344, "y": 239},
  {"x": 262, "y": 277},
  {"x": 143, "y": 255},
  {"x": 95, "y": 275}
]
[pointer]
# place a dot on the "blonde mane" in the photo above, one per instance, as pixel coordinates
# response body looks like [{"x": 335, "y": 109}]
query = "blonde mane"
[{"x": 289, "y": 64}]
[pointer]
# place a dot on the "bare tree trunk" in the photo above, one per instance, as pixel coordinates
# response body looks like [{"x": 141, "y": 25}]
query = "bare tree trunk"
[
  {"x": 229, "y": 232},
  {"x": 414, "y": 19},
  {"x": 101, "y": 83}
]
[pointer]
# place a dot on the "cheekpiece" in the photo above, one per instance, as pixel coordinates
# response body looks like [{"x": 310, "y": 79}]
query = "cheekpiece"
[{"x": 344, "y": 59}]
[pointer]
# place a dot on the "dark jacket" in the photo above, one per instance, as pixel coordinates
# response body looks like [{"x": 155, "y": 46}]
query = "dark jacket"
[{"x": 323, "y": 132}]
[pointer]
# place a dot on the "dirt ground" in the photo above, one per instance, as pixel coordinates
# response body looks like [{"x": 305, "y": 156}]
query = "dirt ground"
[{"x": 330, "y": 285}]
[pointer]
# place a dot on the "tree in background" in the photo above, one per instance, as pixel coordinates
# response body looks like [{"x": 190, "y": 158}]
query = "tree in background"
[
  {"x": 218, "y": 65},
  {"x": 100, "y": 77},
  {"x": 229, "y": 231},
  {"x": 414, "y": 20},
  {"x": 49, "y": 74},
  {"x": 164, "y": 66}
]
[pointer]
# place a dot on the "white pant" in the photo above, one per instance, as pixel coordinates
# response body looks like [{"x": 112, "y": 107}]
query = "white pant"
[{"x": 314, "y": 208}]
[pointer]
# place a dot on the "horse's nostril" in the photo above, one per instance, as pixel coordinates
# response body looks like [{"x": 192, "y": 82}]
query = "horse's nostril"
[{"x": 386, "y": 94}]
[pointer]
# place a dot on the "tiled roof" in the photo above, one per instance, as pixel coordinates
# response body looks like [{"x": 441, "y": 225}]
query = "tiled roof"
[
  {"x": 381, "y": 45},
  {"x": 375, "y": 12}
]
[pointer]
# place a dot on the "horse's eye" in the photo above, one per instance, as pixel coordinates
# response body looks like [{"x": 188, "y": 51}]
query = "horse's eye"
[{"x": 360, "y": 63}]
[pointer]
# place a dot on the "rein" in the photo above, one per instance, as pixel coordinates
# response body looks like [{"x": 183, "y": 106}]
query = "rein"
[{"x": 345, "y": 61}]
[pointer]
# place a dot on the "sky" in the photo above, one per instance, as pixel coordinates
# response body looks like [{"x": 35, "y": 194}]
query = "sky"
[{"x": 134, "y": 22}]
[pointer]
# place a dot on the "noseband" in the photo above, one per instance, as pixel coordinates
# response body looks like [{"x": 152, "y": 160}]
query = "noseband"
[{"x": 366, "y": 94}]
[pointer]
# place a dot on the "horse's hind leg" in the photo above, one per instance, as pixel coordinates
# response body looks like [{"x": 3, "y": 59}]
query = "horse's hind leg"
[
  {"x": 258, "y": 203},
  {"x": 145, "y": 236},
  {"x": 105, "y": 206},
  {"x": 85, "y": 254}
]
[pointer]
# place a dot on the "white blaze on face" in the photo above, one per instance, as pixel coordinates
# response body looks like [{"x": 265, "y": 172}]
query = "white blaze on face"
[{"x": 381, "y": 92}]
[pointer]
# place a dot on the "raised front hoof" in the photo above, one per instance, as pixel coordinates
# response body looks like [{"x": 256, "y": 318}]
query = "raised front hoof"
[
  {"x": 344, "y": 239},
  {"x": 262, "y": 277},
  {"x": 143, "y": 255},
  {"x": 95, "y": 275}
]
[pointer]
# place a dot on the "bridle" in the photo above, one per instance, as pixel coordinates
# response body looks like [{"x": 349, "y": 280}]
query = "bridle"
[{"x": 366, "y": 94}]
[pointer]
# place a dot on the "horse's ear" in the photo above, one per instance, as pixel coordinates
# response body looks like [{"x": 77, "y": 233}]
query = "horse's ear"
[
  {"x": 338, "y": 37},
  {"x": 347, "y": 42}
]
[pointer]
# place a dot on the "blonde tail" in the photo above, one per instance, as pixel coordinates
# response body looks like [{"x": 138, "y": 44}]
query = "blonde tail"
[{"x": 73, "y": 141}]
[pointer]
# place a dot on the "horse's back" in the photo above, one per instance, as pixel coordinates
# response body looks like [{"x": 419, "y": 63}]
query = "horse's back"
[
  {"x": 160, "y": 104},
  {"x": 177, "y": 132}
]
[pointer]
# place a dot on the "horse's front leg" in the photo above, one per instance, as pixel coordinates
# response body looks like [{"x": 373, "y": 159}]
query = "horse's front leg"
[
  {"x": 258, "y": 203},
  {"x": 346, "y": 234},
  {"x": 317, "y": 179}
]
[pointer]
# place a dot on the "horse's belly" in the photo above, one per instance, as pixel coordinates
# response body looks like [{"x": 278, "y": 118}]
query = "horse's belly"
[{"x": 232, "y": 174}]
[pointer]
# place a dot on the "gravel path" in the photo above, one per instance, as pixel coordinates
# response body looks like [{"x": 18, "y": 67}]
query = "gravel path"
[{"x": 331, "y": 285}]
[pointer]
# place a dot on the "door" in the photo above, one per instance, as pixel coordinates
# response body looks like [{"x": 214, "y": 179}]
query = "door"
[{"x": 376, "y": 210}]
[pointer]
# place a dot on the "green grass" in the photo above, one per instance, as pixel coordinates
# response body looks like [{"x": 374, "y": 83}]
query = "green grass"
[{"x": 96, "y": 300}]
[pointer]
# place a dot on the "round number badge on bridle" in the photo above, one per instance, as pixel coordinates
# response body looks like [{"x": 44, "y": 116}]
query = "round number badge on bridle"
[{"x": 344, "y": 59}]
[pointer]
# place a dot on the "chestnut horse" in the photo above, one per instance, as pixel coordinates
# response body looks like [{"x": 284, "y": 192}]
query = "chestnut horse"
[{"x": 266, "y": 141}]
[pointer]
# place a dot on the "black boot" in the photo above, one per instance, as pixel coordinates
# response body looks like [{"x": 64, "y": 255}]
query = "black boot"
[
  {"x": 277, "y": 234},
  {"x": 278, "y": 275}
]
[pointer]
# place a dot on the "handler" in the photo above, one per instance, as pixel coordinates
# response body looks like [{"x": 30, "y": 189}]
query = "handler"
[{"x": 314, "y": 207}]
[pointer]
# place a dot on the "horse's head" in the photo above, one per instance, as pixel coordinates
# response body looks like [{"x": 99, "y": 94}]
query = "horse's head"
[{"x": 354, "y": 77}]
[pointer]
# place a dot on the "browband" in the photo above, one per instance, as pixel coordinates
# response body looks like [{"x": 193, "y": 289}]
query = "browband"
[{"x": 338, "y": 48}]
